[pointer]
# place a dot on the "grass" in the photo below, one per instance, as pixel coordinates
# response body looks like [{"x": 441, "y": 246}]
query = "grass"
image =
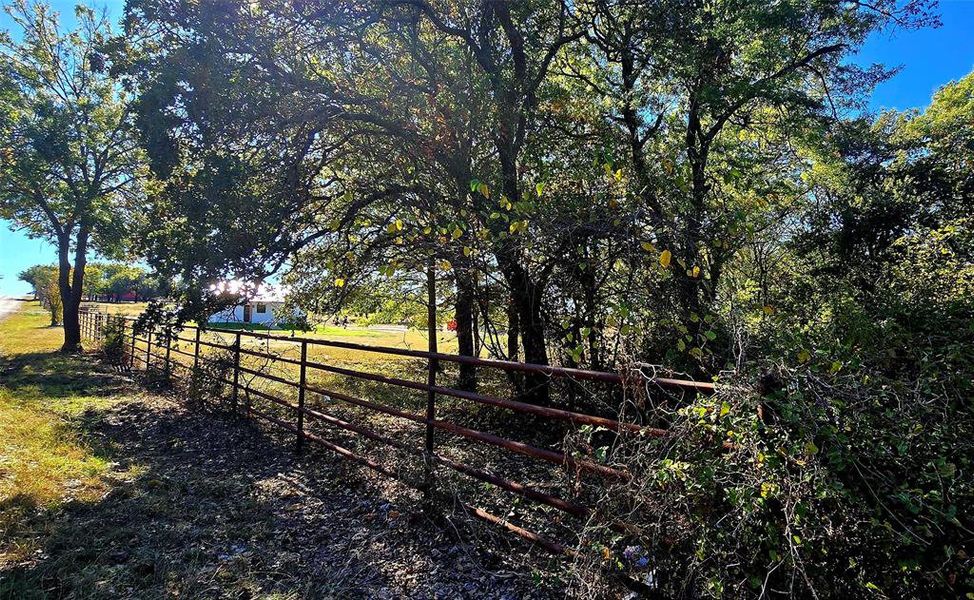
[
  {"x": 107, "y": 491},
  {"x": 379, "y": 335},
  {"x": 117, "y": 308},
  {"x": 44, "y": 462}
]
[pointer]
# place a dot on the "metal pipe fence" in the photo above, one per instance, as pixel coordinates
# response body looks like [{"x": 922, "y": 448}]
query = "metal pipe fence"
[{"x": 318, "y": 404}]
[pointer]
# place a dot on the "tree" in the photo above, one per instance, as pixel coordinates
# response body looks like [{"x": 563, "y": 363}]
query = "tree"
[
  {"x": 34, "y": 276},
  {"x": 44, "y": 281},
  {"x": 70, "y": 169}
]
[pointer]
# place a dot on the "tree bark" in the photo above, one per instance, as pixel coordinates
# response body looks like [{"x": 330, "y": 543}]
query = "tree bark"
[
  {"x": 465, "y": 319},
  {"x": 70, "y": 283},
  {"x": 513, "y": 333},
  {"x": 526, "y": 298}
]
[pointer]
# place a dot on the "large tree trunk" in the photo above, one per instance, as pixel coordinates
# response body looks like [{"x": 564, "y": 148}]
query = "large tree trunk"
[{"x": 70, "y": 282}]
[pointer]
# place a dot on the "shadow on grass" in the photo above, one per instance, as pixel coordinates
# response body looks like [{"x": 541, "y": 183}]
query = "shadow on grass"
[
  {"x": 57, "y": 375},
  {"x": 206, "y": 505}
]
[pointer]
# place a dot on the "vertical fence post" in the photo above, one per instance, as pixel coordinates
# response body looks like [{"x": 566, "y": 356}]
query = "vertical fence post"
[
  {"x": 196, "y": 351},
  {"x": 428, "y": 482},
  {"x": 236, "y": 370},
  {"x": 132, "y": 350},
  {"x": 148, "y": 349},
  {"x": 168, "y": 352},
  {"x": 302, "y": 379}
]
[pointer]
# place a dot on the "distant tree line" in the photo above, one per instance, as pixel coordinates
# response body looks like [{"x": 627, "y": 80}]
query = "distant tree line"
[{"x": 104, "y": 282}]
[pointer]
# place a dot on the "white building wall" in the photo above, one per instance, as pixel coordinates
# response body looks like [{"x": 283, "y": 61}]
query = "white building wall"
[
  {"x": 267, "y": 317},
  {"x": 236, "y": 314},
  {"x": 230, "y": 315}
]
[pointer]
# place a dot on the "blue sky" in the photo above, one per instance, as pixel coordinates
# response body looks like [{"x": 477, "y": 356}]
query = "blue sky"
[{"x": 929, "y": 58}]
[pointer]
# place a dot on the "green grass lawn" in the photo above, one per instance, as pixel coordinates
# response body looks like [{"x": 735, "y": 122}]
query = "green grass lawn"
[
  {"x": 117, "y": 308},
  {"x": 44, "y": 462}
]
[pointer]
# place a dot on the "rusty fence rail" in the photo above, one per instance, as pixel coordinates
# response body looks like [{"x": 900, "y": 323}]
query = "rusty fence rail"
[{"x": 147, "y": 349}]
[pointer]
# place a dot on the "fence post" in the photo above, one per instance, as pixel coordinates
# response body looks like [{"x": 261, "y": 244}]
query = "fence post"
[
  {"x": 428, "y": 474},
  {"x": 236, "y": 370},
  {"x": 132, "y": 351},
  {"x": 196, "y": 351},
  {"x": 168, "y": 353},
  {"x": 148, "y": 349},
  {"x": 302, "y": 381}
]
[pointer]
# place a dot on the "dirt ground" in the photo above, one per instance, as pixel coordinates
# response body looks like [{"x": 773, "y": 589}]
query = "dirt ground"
[{"x": 207, "y": 505}]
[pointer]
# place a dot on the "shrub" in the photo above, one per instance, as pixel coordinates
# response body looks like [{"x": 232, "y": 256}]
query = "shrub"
[{"x": 797, "y": 482}]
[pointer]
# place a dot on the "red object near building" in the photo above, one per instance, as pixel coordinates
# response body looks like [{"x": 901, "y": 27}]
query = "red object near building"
[{"x": 452, "y": 325}]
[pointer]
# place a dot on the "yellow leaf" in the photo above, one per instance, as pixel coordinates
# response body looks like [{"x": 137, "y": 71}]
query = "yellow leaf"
[
  {"x": 445, "y": 265},
  {"x": 339, "y": 282},
  {"x": 768, "y": 310},
  {"x": 665, "y": 257},
  {"x": 399, "y": 224},
  {"x": 467, "y": 250},
  {"x": 457, "y": 233},
  {"x": 695, "y": 272},
  {"x": 804, "y": 356},
  {"x": 619, "y": 175},
  {"x": 648, "y": 247}
]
